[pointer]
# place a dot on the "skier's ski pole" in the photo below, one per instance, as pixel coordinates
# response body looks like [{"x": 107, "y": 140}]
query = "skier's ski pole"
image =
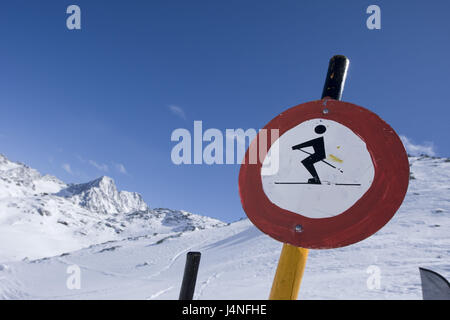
[{"x": 323, "y": 161}]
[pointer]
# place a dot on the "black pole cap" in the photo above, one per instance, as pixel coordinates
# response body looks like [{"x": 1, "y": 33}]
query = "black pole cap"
[{"x": 336, "y": 75}]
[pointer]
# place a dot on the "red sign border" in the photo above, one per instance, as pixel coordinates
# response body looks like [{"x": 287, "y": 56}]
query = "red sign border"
[{"x": 369, "y": 214}]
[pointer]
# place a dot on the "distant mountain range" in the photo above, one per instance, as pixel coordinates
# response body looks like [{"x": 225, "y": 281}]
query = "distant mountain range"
[{"x": 40, "y": 215}]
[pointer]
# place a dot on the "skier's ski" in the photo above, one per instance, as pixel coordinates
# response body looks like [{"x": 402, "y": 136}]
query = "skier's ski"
[{"x": 322, "y": 183}]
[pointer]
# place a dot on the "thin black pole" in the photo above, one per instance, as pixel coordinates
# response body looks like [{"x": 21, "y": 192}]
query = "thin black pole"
[
  {"x": 190, "y": 275},
  {"x": 337, "y": 72}
]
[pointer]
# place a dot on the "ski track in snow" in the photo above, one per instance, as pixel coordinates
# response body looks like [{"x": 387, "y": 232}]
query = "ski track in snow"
[
  {"x": 205, "y": 284},
  {"x": 173, "y": 260},
  {"x": 157, "y": 294},
  {"x": 168, "y": 266}
]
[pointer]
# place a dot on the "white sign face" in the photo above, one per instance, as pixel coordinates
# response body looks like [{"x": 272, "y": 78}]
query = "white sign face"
[{"x": 324, "y": 168}]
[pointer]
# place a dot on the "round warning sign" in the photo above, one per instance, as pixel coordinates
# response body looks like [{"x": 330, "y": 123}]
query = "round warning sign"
[{"x": 329, "y": 174}]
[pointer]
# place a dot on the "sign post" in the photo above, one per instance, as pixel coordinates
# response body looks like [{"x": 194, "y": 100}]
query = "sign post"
[
  {"x": 341, "y": 174},
  {"x": 288, "y": 277}
]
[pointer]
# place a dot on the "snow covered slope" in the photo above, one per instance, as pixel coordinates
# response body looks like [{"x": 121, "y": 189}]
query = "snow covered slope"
[
  {"x": 238, "y": 261},
  {"x": 41, "y": 216}
]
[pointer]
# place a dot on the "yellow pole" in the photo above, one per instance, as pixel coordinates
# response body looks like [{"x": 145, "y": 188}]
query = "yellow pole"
[{"x": 288, "y": 276}]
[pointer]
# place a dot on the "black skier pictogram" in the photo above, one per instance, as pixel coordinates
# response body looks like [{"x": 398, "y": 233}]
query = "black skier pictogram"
[{"x": 318, "y": 155}]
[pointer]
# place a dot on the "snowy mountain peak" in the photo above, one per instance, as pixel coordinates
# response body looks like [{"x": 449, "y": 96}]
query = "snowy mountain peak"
[
  {"x": 17, "y": 180},
  {"x": 104, "y": 182},
  {"x": 43, "y": 216},
  {"x": 3, "y": 159},
  {"x": 101, "y": 195}
]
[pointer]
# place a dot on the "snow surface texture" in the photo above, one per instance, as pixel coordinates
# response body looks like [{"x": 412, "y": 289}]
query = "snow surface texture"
[{"x": 126, "y": 251}]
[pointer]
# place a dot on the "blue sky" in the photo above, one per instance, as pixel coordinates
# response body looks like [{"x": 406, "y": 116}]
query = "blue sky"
[{"x": 104, "y": 100}]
